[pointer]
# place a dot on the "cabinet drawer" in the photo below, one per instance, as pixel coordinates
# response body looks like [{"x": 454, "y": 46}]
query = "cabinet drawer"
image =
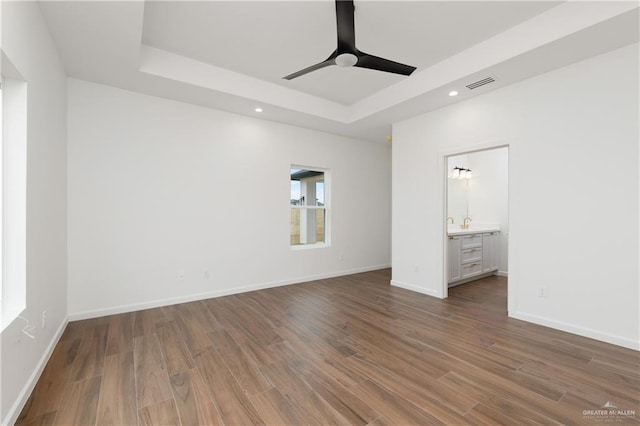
[
  {"x": 470, "y": 241},
  {"x": 471, "y": 269},
  {"x": 471, "y": 255}
]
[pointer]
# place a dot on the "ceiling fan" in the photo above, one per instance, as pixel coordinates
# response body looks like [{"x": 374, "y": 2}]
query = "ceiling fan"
[{"x": 347, "y": 54}]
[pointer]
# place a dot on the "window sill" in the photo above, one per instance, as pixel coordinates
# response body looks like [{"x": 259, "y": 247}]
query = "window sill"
[{"x": 310, "y": 246}]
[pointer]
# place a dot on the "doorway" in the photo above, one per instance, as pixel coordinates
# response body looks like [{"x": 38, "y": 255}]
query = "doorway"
[{"x": 476, "y": 215}]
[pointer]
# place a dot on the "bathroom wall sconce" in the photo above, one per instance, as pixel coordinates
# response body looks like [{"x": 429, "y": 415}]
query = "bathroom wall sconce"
[{"x": 460, "y": 173}]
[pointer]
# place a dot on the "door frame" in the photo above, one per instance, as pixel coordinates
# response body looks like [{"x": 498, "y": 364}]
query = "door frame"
[{"x": 443, "y": 157}]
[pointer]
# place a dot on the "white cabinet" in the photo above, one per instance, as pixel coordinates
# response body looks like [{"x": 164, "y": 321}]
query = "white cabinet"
[
  {"x": 472, "y": 255},
  {"x": 490, "y": 243},
  {"x": 454, "y": 259},
  {"x": 471, "y": 240},
  {"x": 471, "y": 269}
]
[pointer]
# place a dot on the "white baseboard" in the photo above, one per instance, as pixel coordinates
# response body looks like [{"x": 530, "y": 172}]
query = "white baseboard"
[
  {"x": 502, "y": 273},
  {"x": 580, "y": 331},
  {"x": 23, "y": 396},
  {"x": 218, "y": 293},
  {"x": 415, "y": 288}
]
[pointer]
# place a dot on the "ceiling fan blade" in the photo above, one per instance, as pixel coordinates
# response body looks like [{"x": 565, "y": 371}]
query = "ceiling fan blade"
[
  {"x": 346, "y": 27},
  {"x": 376, "y": 63},
  {"x": 329, "y": 61}
]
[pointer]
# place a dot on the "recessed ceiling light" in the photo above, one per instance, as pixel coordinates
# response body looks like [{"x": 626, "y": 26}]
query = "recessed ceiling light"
[
  {"x": 453, "y": 93},
  {"x": 258, "y": 109}
]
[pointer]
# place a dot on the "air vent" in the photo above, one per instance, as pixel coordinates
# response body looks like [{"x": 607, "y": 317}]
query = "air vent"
[{"x": 480, "y": 83}]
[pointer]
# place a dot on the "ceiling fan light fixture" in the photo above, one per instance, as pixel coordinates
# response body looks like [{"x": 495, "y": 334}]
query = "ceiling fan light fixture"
[
  {"x": 346, "y": 60},
  {"x": 347, "y": 54}
]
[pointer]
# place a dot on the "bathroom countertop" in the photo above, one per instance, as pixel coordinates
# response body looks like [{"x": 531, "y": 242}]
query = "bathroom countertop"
[{"x": 472, "y": 230}]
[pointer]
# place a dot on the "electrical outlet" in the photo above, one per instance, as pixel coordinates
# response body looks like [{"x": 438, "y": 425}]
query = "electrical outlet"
[
  {"x": 542, "y": 292},
  {"x": 205, "y": 274},
  {"x": 44, "y": 319},
  {"x": 180, "y": 275}
]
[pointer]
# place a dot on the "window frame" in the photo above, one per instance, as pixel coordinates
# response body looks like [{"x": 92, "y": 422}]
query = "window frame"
[
  {"x": 13, "y": 192},
  {"x": 326, "y": 207}
]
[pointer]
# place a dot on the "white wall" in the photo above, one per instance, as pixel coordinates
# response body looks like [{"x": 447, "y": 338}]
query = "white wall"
[
  {"x": 573, "y": 193},
  {"x": 158, "y": 186},
  {"x": 489, "y": 194},
  {"x": 27, "y": 43}
]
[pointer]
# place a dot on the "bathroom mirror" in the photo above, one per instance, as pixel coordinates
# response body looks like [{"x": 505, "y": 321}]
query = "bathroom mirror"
[
  {"x": 457, "y": 190},
  {"x": 457, "y": 206}
]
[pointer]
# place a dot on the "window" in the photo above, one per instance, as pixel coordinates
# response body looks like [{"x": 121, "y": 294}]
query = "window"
[
  {"x": 309, "y": 202},
  {"x": 13, "y": 192}
]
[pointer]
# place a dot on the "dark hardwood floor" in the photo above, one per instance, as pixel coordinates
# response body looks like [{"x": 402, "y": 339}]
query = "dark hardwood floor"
[{"x": 349, "y": 350}]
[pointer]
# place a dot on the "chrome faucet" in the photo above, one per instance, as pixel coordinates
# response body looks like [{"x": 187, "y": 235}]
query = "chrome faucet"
[
  {"x": 465, "y": 223},
  {"x": 452, "y": 221}
]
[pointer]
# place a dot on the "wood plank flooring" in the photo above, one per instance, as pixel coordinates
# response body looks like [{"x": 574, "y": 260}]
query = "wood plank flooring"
[{"x": 349, "y": 350}]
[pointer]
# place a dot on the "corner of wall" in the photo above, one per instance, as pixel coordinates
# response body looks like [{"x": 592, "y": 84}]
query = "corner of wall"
[{"x": 417, "y": 289}]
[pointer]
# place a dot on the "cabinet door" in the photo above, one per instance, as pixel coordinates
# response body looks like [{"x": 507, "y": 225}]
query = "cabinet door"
[
  {"x": 490, "y": 246},
  {"x": 496, "y": 250},
  {"x": 454, "y": 259}
]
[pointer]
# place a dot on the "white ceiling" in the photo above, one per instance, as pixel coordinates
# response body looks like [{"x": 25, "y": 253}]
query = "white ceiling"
[
  {"x": 231, "y": 55},
  {"x": 269, "y": 40}
]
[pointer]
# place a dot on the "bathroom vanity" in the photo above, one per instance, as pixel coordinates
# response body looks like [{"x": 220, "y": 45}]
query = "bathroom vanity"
[{"x": 473, "y": 254}]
